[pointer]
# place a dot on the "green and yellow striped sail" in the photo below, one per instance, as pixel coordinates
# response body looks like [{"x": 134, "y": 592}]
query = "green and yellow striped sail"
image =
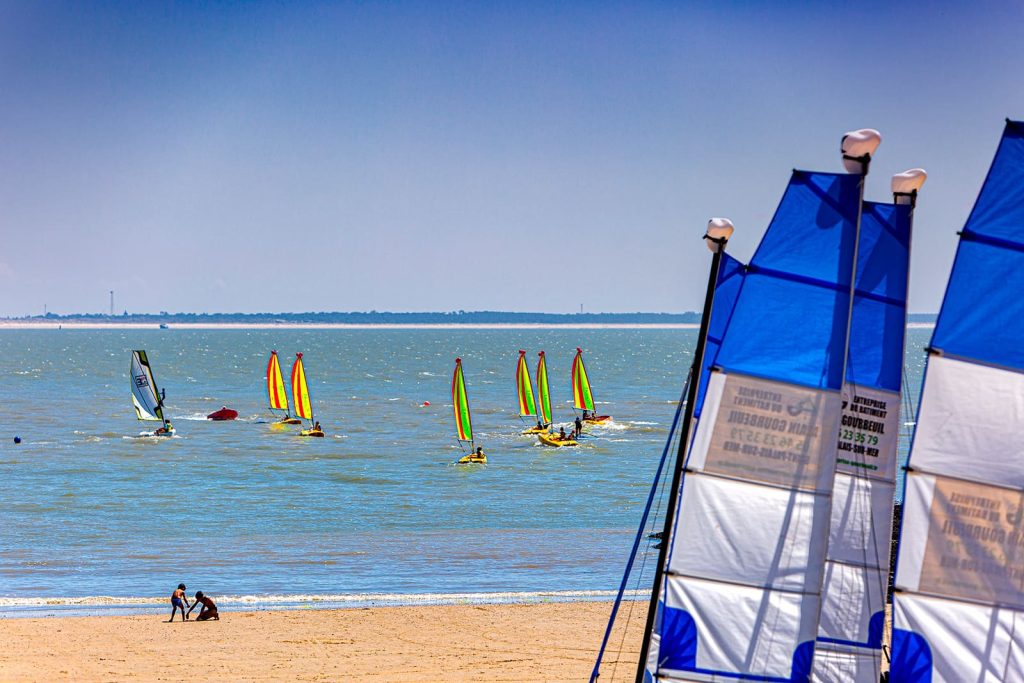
[
  {"x": 582, "y": 399},
  {"x": 463, "y": 423},
  {"x": 524, "y": 386},
  {"x": 542, "y": 389}
]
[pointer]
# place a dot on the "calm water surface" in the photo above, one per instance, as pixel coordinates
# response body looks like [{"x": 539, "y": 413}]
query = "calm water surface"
[{"x": 243, "y": 509}]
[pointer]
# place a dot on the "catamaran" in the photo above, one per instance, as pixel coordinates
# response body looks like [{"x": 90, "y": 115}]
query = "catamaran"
[
  {"x": 300, "y": 395},
  {"x": 147, "y": 399},
  {"x": 958, "y": 609},
  {"x": 276, "y": 393},
  {"x": 582, "y": 398},
  {"x": 527, "y": 403},
  {"x": 463, "y": 419},
  {"x": 770, "y": 558}
]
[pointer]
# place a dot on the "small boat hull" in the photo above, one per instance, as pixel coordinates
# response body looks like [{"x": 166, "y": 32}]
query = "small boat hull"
[
  {"x": 289, "y": 421},
  {"x": 535, "y": 430},
  {"x": 222, "y": 415},
  {"x": 472, "y": 459},
  {"x": 312, "y": 432},
  {"x": 555, "y": 442},
  {"x": 164, "y": 435},
  {"x": 598, "y": 419}
]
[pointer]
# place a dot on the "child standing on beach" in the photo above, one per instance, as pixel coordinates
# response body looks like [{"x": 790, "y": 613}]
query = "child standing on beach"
[
  {"x": 207, "y": 611},
  {"x": 179, "y": 601}
]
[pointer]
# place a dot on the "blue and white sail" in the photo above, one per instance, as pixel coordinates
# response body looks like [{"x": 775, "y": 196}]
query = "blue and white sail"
[
  {"x": 856, "y": 578},
  {"x": 740, "y": 595},
  {"x": 959, "y": 606}
]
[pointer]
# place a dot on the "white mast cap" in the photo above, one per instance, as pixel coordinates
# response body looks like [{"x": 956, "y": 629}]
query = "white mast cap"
[
  {"x": 858, "y": 143},
  {"x": 718, "y": 228},
  {"x": 908, "y": 181}
]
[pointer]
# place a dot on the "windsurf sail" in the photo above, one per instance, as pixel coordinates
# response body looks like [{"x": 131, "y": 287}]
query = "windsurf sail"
[
  {"x": 543, "y": 391},
  {"x": 275, "y": 385},
  {"x": 738, "y": 593},
  {"x": 582, "y": 399},
  {"x": 524, "y": 387},
  {"x": 959, "y": 604},
  {"x": 856, "y": 576},
  {"x": 145, "y": 396},
  {"x": 460, "y": 401},
  {"x": 300, "y": 392}
]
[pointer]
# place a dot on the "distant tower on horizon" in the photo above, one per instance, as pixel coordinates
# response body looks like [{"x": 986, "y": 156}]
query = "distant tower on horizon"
[{"x": 111, "y": 303}]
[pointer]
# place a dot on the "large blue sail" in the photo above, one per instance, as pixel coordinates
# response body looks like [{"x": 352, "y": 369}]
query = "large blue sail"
[
  {"x": 739, "y": 599},
  {"x": 856, "y": 580},
  {"x": 959, "y": 607}
]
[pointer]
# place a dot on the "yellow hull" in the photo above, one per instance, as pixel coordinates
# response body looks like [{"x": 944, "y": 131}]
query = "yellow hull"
[
  {"x": 598, "y": 420},
  {"x": 553, "y": 440},
  {"x": 289, "y": 421},
  {"x": 472, "y": 459},
  {"x": 535, "y": 430},
  {"x": 311, "y": 432}
]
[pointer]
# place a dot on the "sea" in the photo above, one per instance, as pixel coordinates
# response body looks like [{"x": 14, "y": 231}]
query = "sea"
[{"x": 100, "y": 520}]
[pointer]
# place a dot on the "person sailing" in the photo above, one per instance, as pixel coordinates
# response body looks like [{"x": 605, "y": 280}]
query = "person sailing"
[
  {"x": 166, "y": 429},
  {"x": 316, "y": 427},
  {"x": 579, "y": 428},
  {"x": 561, "y": 434},
  {"x": 479, "y": 452}
]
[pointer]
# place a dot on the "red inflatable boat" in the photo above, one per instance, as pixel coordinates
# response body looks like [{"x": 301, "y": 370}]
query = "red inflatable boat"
[{"x": 224, "y": 413}]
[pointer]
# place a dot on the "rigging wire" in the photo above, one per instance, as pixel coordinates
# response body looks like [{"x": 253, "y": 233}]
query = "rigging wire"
[{"x": 643, "y": 524}]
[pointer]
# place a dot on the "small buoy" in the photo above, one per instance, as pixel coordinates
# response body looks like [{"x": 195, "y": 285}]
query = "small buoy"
[
  {"x": 17, "y": 439},
  {"x": 426, "y": 403}
]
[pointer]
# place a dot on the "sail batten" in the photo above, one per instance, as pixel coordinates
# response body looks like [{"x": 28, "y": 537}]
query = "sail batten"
[
  {"x": 276, "y": 393},
  {"x": 145, "y": 395},
  {"x": 300, "y": 390},
  {"x": 524, "y": 388},
  {"x": 958, "y": 613}
]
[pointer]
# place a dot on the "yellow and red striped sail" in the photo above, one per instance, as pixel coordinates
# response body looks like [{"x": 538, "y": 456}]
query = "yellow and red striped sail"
[
  {"x": 524, "y": 387},
  {"x": 275, "y": 384},
  {"x": 543, "y": 394},
  {"x": 300, "y": 392},
  {"x": 463, "y": 422},
  {"x": 582, "y": 399}
]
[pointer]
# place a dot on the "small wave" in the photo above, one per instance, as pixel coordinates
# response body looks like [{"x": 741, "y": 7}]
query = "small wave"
[{"x": 339, "y": 599}]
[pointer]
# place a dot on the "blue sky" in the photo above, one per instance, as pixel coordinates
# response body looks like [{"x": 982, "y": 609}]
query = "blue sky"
[{"x": 428, "y": 156}]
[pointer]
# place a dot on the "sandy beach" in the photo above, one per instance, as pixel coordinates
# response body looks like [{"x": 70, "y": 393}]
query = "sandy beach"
[{"x": 539, "y": 642}]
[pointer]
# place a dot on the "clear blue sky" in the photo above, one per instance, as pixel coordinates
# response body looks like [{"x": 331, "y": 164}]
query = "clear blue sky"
[{"x": 429, "y": 156}]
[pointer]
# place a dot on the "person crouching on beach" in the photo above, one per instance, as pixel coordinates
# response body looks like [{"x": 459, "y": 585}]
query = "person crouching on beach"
[
  {"x": 179, "y": 601},
  {"x": 207, "y": 611}
]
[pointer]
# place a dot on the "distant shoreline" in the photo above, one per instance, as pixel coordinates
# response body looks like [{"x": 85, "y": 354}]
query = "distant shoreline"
[{"x": 50, "y": 325}]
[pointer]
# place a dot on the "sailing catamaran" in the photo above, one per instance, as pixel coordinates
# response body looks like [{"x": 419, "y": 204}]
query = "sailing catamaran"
[
  {"x": 276, "y": 393},
  {"x": 582, "y": 398},
  {"x": 463, "y": 420},
  {"x": 147, "y": 399},
  {"x": 300, "y": 395},
  {"x": 527, "y": 404},
  {"x": 753, "y": 556},
  {"x": 958, "y": 610}
]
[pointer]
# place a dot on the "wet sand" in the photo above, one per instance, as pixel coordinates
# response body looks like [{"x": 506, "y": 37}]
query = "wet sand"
[{"x": 538, "y": 642}]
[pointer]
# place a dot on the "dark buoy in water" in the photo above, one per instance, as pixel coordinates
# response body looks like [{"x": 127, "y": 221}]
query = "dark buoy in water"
[{"x": 17, "y": 439}]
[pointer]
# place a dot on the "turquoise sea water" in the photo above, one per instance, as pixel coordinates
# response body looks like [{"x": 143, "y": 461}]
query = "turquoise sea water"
[{"x": 242, "y": 509}]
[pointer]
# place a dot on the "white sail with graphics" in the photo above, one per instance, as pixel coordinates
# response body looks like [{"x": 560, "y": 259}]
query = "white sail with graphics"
[{"x": 147, "y": 400}]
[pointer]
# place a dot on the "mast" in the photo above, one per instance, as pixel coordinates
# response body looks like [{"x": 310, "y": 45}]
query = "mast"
[{"x": 716, "y": 237}]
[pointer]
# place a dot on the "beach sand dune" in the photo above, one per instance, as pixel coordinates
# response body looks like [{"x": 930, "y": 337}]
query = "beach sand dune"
[{"x": 539, "y": 642}]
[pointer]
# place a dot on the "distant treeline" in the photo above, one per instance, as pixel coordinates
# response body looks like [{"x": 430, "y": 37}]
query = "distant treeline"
[{"x": 387, "y": 317}]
